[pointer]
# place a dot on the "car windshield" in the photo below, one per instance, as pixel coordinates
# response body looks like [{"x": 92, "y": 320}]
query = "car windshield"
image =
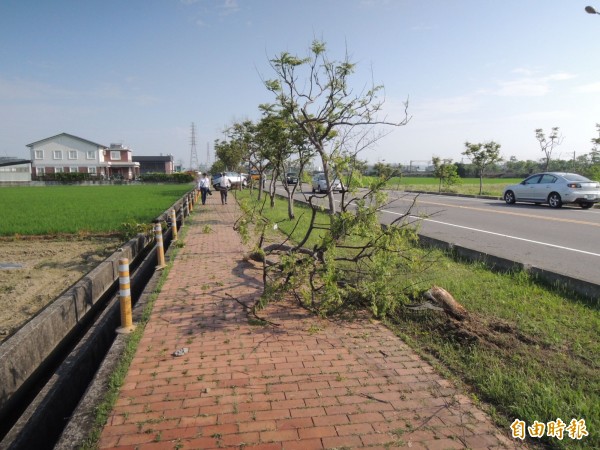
[{"x": 575, "y": 177}]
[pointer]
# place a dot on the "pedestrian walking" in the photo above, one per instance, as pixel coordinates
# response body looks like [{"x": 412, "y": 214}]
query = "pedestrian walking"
[
  {"x": 204, "y": 186},
  {"x": 224, "y": 186}
]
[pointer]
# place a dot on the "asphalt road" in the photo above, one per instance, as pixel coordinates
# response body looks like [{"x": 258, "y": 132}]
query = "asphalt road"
[{"x": 565, "y": 240}]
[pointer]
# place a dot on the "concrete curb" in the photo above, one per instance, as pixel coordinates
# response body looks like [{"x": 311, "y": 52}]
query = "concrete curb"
[{"x": 585, "y": 289}]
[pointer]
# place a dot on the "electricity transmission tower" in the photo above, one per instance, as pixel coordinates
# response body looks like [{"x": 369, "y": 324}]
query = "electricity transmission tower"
[{"x": 193, "y": 152}]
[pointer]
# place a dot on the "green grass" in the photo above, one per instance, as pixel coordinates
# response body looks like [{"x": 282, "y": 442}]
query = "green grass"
[
  {"x": 82, "y": 209},
  {"x": 491, "y": 186},
  {"x": 530, "y": 351},
  {"x": 537, "y": 354}
]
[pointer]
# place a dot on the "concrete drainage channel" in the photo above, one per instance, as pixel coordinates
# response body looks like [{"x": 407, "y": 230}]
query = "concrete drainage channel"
[{"x": 47, "y": 366}]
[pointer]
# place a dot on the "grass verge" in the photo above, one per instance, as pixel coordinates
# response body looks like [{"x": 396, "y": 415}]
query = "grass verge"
[
  {"x": 468, "y": 186},
  {"x": 528, "y": 350}
]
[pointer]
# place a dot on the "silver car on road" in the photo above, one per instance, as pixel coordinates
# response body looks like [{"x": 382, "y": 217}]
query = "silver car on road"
[
  {"x": 319, "y": 184},
  {"x": 554, "y": 188}
]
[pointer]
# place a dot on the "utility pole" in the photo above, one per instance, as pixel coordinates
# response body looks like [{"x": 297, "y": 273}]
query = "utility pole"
[{"x": 193, "y": 152}]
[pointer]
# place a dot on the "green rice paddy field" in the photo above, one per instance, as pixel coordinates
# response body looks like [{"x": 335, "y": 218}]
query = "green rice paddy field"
[
  {"x": 491, "y": 186},
  {"x": 56, "y": 210}
]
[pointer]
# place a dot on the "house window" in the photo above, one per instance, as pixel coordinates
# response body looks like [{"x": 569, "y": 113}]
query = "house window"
[
  {"x": 40, "y": 171},
  {"x": 115, "y": 156},
  {"x": 39, "y": 154},
  {"x": 57, "y": 154},
  {"x": 58, "y": 170},
  {"x": 91, "y": 154},
  {"x": 72, "y": 154},
  {"x": 73, "y": 169},
  {"x": 92, "y": 170}
]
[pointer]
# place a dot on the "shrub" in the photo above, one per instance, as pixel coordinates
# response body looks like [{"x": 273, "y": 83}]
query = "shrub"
[{"x": 167, "y": 178}]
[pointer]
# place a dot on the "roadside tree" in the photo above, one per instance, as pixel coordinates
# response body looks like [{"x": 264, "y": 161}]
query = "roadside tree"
[
  {"x": 283, "y": 144},
  {"x": 349, "y": 259},
  {"x": 316, "y": 93},
  {"x": 482, "y": 156},
  {"x": 229, "y": 152},
  {"x": 548, "y": 144},
  {"x": 445, "y": 171}
]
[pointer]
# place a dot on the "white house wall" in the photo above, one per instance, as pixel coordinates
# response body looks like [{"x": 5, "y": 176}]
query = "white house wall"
[
  {"x": 64, "y": 144},
  {"x": 16, "y": 173}
]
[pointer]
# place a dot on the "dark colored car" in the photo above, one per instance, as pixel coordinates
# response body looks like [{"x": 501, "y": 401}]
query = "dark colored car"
[{"x": 291, "y": 178}]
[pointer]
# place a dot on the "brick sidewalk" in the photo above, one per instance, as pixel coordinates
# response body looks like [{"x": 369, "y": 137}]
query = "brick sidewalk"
[{"x": 307, "y": 384}]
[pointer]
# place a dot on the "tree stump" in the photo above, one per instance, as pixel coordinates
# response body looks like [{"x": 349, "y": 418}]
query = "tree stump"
[{"x": 442, "y": 298}]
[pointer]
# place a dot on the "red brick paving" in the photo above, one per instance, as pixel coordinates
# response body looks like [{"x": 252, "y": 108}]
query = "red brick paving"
[{"x": 307, "y": 384}]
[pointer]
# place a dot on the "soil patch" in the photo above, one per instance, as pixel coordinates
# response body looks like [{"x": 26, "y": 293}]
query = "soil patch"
[{"x": 34, "y": 272}]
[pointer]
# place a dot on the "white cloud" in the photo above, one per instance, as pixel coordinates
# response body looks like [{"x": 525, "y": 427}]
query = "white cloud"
[
  {"x": 525, "y": 87},
  {"x": 230, "y": 7},
  {"x": 529, "y": 85},
  {"x": 449, "y": 105},
  {"x": 18, "y": 89},
  {"x": 538, "y": 116},
  {"x": 561, "y": 76},
  {"x": 523, "y": 71},
  {"x": 589, "y": 88}
]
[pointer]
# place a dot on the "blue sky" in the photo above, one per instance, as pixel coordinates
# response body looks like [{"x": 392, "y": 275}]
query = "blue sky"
[{"x": 139, "y": 72}]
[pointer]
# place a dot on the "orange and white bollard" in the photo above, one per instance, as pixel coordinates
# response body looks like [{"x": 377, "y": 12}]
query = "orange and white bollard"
[
  {"x": 127, "y": 325},
  {"x": 191, "y": 202},
  {"x": 174, "y": 223},
  {"x": 159, "y": 246}
]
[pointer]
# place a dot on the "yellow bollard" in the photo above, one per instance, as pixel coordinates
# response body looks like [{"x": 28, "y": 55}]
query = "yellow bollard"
[
  {"x": 174, "y": 223},
  {"x": 191, "y": 200},
  {"x": 159, "y": 246},
  {"x": 127, "y": 325}
]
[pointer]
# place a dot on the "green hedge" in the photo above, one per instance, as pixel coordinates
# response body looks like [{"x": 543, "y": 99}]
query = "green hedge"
[{"x": 167, "y": 178}]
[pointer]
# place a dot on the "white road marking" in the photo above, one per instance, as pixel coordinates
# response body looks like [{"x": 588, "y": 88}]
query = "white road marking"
[
  {"x": 495, "y": 234},
  {"x": 560, "y": 247}
]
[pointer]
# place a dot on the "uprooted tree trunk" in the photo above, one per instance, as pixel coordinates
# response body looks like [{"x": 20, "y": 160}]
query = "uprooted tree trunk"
[{"x": 443, "y": 299}]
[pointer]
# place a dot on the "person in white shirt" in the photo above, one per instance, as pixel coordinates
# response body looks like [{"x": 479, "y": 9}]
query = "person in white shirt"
[
  {"x": 224, "y": 187},
  {"x": 204, "y": 186}
]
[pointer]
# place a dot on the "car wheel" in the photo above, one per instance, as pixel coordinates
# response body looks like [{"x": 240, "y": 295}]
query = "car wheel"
[
  {"x": 586, "y": 205},
  {"x": 554, "y": 200},
  {"x": 509, "y": 197},
  {"x": 313, "y": 189}
]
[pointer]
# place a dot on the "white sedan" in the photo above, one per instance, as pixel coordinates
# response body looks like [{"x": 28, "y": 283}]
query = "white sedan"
[
  {"x": 236, "y": 179},
  {"x": 554, "y": 188},
  {"x": 319, "y": 184}
]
